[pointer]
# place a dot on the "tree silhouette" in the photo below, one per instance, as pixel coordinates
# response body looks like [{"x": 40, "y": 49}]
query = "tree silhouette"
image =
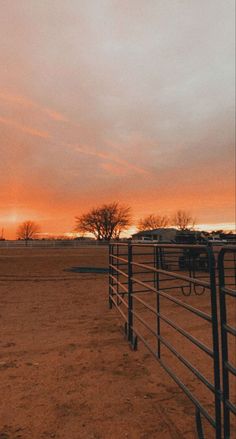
[
  {"x": 2, "y": 235},
  {"x": 27, "y": 230},
  {"x": 183, "y": 220},
  {"x": 105, "y": 222},
  {"x": 152, "y": 221}
]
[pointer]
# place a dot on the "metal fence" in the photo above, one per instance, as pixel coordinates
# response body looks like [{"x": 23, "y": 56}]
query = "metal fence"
[
  {"x": 156, "y": 290},
  {"x": 227, "y": 279},
  {"x": 50, "y": 243}
]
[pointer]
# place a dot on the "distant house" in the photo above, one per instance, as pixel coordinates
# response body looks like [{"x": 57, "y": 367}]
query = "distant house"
[
  {"x": 228, "y": 237},
  {"x": 190, "y": 237},
  {"x": 170, "y": 235},
  {"x": 165, "y": 235}
]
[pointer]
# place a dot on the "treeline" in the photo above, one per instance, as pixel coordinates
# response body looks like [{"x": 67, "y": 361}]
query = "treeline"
[{"x": 109, "y": 220}]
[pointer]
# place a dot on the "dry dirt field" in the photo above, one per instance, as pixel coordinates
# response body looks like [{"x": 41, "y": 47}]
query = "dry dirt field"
[{"x": 66, "y": 370}]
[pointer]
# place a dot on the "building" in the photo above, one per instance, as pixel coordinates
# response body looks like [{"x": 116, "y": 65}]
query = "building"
[
  {"x": 165, "y": 235},
  {"x": 230, "y": 238},
  {"x": 190, "y": 237},
  {"x": 171, "y": 235}
]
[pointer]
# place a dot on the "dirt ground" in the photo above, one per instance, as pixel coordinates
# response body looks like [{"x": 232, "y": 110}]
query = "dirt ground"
[{"x": 66, "y": 370}]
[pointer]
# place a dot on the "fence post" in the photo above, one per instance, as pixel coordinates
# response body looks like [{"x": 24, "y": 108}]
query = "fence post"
[
  {"x": 215, "y": 338},
  {"x": 110, "y": 274},
  {"x": 130, "y": 297},
  {"x": 157, "y": 286},
  {"x": 118, "y": 302}
]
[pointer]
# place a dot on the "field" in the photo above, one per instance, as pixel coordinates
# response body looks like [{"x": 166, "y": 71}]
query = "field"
[{"x": 66, "y": 369}]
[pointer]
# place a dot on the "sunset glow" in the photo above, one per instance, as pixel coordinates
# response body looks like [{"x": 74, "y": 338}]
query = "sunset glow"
[{"x": 116, "y": 101}]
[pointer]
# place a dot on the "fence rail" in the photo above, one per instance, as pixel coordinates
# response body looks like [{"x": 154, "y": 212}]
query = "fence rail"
[{"x": 156, "y": 290}]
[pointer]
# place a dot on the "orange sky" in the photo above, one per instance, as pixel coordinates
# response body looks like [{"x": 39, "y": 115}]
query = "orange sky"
[{"x": 130, "y": 101}]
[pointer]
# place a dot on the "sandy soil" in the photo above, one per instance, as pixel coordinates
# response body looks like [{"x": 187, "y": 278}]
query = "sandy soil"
[{"x": 66, "y": 370}]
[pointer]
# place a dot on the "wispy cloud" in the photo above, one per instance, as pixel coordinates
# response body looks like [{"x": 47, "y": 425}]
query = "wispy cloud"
[
  {"x": 111, "y": 158},
  {"x": 114, "y": 169},
  {"x": 54, "y": 115},
  {"x": 17, "y": 99},
  {"x": 29, "y": 130},
  {"x": 23, "y": 101}
]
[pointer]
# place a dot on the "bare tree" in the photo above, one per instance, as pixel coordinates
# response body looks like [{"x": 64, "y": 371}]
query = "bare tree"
[
  {"x": 105, "y": 222},
  {"x": 2, "y": 235},
  {"x": 152, "y": 221},
  {"x": 183, "y": 220},
  {"x": 27, "y": 230}
]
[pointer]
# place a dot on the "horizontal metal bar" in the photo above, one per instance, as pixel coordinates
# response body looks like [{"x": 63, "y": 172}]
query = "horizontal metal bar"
[
  {"x": 116, "y": 244},
  {"x": 123, "y": 283},
  {"x": 153, "y": 310},
  {"x": 178, "y": 381},
  {"x": 175, "y": 287},
  {"x": 144, "y": 323},
  {"x": 137, "y": 292},
  {"x": 176, "y": 353},
  {"x": 121, "y": 264},
  {"x": 230, "y": 367},
  {"x": 229, "y": 329},
  {"x": 118, "y": 308},
  {"x": 230, "y": 406},
  {"x": 146, "y": 280},
  {"x": 174, "y": 246},
  {"x": 187, "y": 363},
  {"x": 141, "y": 272},
  {"x": 119, "y": 295},
  {"x": 118, "y": 283},
  {"x": 119, "y": 258},
  {"x": 119, "y": 271},
  {"x": 178, "y": 302},
  {"x": 228, "y": 291},
  {"x": 177, "y": 328},
  {"x": 167, "y": 279},
  {"x": 141, "y": 292},
  {"x": 174, "y": 274},
  {"x": 194, "y": 400}
]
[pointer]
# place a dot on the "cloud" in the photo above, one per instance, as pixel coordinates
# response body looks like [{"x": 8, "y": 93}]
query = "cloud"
[
  {"x": 32, "y": 131},
  {"x": 16, "y": 99},
  {"x": 114, "y": 170},
  {"x": 20, "y": 100},
  {"x": 54, "y": 115},
  {"x": 111, "y": 157}
]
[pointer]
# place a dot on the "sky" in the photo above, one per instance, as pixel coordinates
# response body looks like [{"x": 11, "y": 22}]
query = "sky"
[{"x": 107, "y": 100}]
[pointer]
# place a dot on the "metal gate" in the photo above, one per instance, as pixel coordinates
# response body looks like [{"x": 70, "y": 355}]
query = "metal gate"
[
  {"x": 227, "y": 287},
  {"x": 156, "y": 290}
]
